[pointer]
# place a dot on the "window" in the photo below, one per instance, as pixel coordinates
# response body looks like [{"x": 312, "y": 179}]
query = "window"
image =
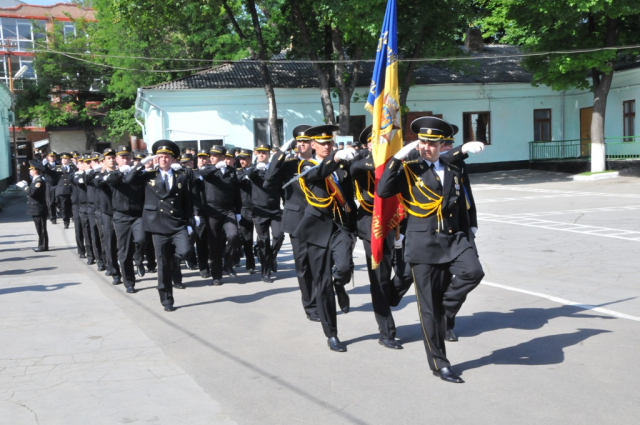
[
  {"x": 16, "y": 63},
  {"x": 410, "y": 136},
  {"x": 357, "y": 123},
  {"x": 20, "y": 34},
  {"x": 476, "y": 127},
  {"x": 261, "y": 131},
  {"x": 628, "y": 119},
  {"x": 208, "y": 144},
  {"x": 69, "y": 30},
  {"x": 541, "y": 125}
]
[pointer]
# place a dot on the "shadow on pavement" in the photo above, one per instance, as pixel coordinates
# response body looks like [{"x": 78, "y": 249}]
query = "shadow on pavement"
[
  {"x": 517, "y": 177},
  {"x": 36, "y": 288},
  {"x": 25, "y": 271},
  {"x": 12, "y": 236},
  {"x": 243, "y": 299},
  {"x": 32, "y": 257},
  {"x": 545, "y": 350}
]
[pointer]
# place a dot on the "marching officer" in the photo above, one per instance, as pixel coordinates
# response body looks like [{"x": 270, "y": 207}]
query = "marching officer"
[
  {"x": 281, "y": 170},
  {"x": 93, "y": 212},
  {"x": 37, "y": 202},
  {"x": 245, "y": 225},
  {"x": 64, "y": 187},
  {"x": 166, "y": 213},
  {"x": 201, "y": 232},
  {"x": 80, "y": 217},
  {"x": 223, "y": 207},
  {"x": 266, "y": 212},
  {"x": 438, "y": 242},
  {"x": 51, "y": 178},
  {"x": 327, "y": 225}
]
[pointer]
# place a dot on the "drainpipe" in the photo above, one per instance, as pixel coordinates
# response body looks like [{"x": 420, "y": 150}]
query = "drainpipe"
[{"x": 143, "y": 99}]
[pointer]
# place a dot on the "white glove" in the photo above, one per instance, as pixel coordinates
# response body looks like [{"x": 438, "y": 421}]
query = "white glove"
[
  {"x": 474, "y": 230},
  {"x": 81, "y": 181},
  {"x": 405, "y": 151},
  {"x": 261, "y": 166},
  {"x": 197, "y": 220},
  {"x": 176, "y": 166},
  {"x": 473, "y": 147},
  {"x": 125, "y": 169},
  {"x": 238, "y": 217},
  {"x": 78, "y": 173},
  {"x": 189, "y": 230},
  {"x": 45, "y": 162},
  {"x": 147, "y": 159},
  {"x": 397, "y": 244},
  {"x": 97, "y": 168},
  {"x": 220, "y": 165},
  {"x": 22, "y": 184},
  {"x": 345, "y": 154},
  {"x": 287, "y": 145}
]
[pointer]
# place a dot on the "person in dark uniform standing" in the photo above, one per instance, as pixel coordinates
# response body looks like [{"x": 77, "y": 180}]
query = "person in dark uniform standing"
[
  {"x": 81, "y": 220},
  {"x": 245, "y": 225},
  {"x": 438, "y": 242},
  {"x": 327, "y": 226},
  {"x": 37, "y": 203},
  {"x": 266, "y": 213},
  {"x": 223, "y": 207},
  {"x": 200, "y": 228},
  {"x": 93, "y": 212},
  {"x": 104, "y": 195},
  {"x": 65, "y": 171},
  {"x": 127, "y": 201},
  {"x": 385, "y": 291},
  {"x": 166, "y": 213},
  {"x": 281, "y": 170},
  {"x": 52, "y": 180}
]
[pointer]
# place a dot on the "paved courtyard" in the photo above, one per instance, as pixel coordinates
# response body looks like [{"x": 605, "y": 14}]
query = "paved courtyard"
[{"x": 551, "y": 336}]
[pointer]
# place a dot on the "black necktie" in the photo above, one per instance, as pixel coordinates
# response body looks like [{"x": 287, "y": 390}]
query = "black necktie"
[
  {"x": 165, "y": 181},
  {"x": 432, "y": 167}
]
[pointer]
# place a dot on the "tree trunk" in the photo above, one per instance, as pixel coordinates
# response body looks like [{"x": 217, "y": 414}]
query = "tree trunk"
[
  {"x": 274, "y": 131},
  {"x": 323, "y": 78},
  {"x": 601, "y": 86},
  {"x": 408, "y": 75},
  {"x": 91, "y": 141},
  {"x": 345, "y": 83}
]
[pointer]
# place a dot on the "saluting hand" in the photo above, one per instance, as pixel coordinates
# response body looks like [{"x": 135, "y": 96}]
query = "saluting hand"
[
  {"x": 346, "y": 154},
  {"x": 287, "y": 145},
  {"x": 405, "y": 150},
  {"x": 473, "y": 147},
  {"x": 261, "y": 166}
]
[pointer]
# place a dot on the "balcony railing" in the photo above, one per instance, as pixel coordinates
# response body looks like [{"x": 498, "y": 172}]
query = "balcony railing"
[{"x": 616, "y": 148}]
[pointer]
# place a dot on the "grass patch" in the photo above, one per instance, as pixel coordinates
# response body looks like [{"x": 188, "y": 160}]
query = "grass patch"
[{"x": 589, "y": 173}]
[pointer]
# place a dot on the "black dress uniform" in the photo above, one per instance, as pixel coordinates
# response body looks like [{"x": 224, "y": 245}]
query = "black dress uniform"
[
  {"x": 81, "y": 221},
  {"x": 127, "y": 203},
  {"x": 92, "y": 210},
  {"x": 385, "y": 291},
  {"x": 327, "y": 228},
  {"x": 245, "y": 226},
  {"x": 37, "y": 205},
  {"x": 266, "y": 215},
  {"x": 223, "y": 205},
  {"x": 51, "y": 178},
  {"x": 166, "y": 214},
  {"x": 200, "y": 229},
  {"x": 64, "y": 189},
  {"x": 281, "y": 170},
  {"x": 438, "y": 237}
]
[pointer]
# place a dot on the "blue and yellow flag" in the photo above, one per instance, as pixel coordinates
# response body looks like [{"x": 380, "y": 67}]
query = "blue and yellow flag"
[{"x": 383, "y": 103}]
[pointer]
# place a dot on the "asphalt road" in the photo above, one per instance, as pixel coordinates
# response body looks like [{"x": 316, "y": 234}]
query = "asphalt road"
[{"x": 551, "y": 336}]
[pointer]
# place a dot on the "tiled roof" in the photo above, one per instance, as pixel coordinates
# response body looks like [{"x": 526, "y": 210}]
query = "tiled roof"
[{"x": 490, "y": 68}]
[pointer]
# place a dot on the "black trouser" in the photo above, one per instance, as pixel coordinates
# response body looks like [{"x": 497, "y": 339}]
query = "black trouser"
[
  {"x": 149, "y": 252},
  {"x": 382, "y": 288},
  {"x": 94, "y": 230},
  {"x": 220, "y": 226},
  {"x": 41, "y": 228},
  {"x": 77, "y": 227},
  {"x": 245, "y": 229},
  {"x": 64, "y": 203},
  {"x": 303, "y": 273},
  {"x": 267, "y": 252},
  {"x": 130, "y": 236},
  {"x": 170, "y": 249},
  {"x": 320, "y": 259},
  {"x": 51, "y": 202},
  {"x": 432, "y": 281},
  {"x": 455, "y": 296},
  {"x": 202, "y": 245},
  {"x": 84, "y": 223},
  {"x": 110, "y": 243}
]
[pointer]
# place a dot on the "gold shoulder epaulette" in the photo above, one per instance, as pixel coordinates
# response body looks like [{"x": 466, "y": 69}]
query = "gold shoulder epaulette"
[
  {"x": 291, "y": 159},
  {"x": 413, "y": 161}
]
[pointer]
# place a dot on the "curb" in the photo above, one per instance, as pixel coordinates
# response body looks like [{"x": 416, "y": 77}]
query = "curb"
[{"x": 600, "y": 176}]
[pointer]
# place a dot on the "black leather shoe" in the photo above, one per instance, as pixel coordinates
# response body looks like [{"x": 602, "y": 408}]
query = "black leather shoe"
[
  {"x": 450, "y": 336},
  {"x": 230, "y": 272},
  {"x": 216, "y": 282},
  {"x": 205, "y": 274},
  {"x": 38, "y": 249},
  {"x": 169, "y": 308},
  {"x": 101, "y": 268},
  {"x": 274, "y": 265},
  {"x": 152, "y": 270},
  {"x": 390, "y": 343},
  {"x": 117, "y": 280},
  {"x": 314, "y": 317},
  {"x": 266, "y": 279},
  {"x": 343, "y": 298},
  {"x": 447, "y": 374},
  {"x": 54, "y": 221},
  {"x": 66, "y": 225},
  {"x": 83, "y": 256},
  {"x": 335, "y": 345},
  {"x": 108, "y": 273},
  {"x": 252, "y": 271},
  {"x": 90, "y": 261},
  {"x": 140, "y": 271},
  {"x": 131, "y": 290},
  {"x": 178, "y": 286}
]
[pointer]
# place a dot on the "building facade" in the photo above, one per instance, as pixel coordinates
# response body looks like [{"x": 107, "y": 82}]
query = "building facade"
[{"x": 6, "y": 151}]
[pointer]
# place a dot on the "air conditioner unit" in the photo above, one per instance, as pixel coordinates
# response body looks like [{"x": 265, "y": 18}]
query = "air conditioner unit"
[{"x": 11, "y": 117}]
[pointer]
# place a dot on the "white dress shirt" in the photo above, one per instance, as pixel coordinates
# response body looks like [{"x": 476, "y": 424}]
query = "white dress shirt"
[{"x": 169, "y": 179}]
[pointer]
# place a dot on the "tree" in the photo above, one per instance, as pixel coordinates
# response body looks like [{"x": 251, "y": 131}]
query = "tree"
[{"x": 549, "y": 25}]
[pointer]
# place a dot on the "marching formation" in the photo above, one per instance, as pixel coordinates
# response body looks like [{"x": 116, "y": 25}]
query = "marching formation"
[{"x": 135, "y": 214}]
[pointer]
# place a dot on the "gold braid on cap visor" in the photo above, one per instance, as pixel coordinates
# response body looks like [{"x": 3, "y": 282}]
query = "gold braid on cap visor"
[
  {"x": 303, "y": 137},
  {"x": 164, "y": 149},
  {"x": 323, "y": 137},
  {"x": 123, "y": 153},
  {"x": 430, "y": 137}
]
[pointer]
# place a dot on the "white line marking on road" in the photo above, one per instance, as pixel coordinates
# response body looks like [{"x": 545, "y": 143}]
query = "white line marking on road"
[
  {"x": 565, "y": 302},
  {"x": 482, "y": 187},
  {"x": 581, "y": 211},
  {"x": 563, "y": 227}
]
